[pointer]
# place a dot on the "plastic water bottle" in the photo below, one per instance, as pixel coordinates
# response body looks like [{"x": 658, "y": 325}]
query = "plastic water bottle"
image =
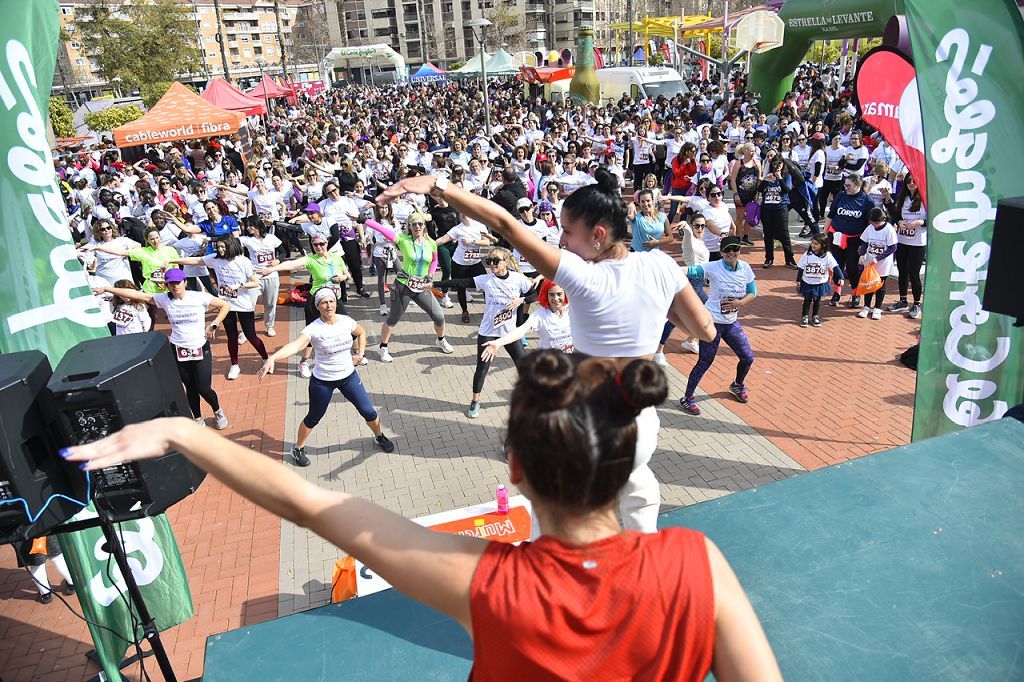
[{"x": 501, "y": 494}]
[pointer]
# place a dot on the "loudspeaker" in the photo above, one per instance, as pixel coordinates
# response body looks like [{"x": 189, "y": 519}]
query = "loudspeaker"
[
  {"x": 1002, "y": 286},
  {"x": 103, "y": 384},
  {"x": 32, "y": 475}
]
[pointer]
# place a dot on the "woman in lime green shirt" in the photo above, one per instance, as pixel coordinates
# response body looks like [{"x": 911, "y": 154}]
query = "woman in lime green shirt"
[{"x": 154, "y": 257}]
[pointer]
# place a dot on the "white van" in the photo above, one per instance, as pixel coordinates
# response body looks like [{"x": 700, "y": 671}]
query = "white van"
[{"x": 646, "y": 82}]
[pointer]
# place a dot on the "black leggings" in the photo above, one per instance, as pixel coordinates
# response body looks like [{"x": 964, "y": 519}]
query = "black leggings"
[
  {"x": 354, "y": 261},
  {"x": 248, "y": 323},
  {"x": 514, "y": 349},
  {"x": 464, "y": 272},
  {"x": 812, "y": 304},
  {"x": 775, "y": 224},
  {"x": 829, "y": 188},
  {"x": 879, "y": 296},
  {"x": 909, "y": 260},
  {"x": 197, "y": 376},
  {"x": 848, "y": 258},
  {"x": 193, "y": 284}
]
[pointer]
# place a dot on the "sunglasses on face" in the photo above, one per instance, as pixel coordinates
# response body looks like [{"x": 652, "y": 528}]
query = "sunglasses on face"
[
  {"x": 492, "y": 261},
  {"x": 699, "y": 226},
  {"x": 416, "y": 223},
  {"x": 319, "y": 243},
  {"x": 731, "y": 249},
  {"x": 714, "y": 194}
]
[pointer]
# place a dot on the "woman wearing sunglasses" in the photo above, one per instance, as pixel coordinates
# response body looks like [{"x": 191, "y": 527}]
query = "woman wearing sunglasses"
[
  {"x": 414, "y": 282},
  {"x": 718, "y": 220},
  {"x": 694, "y": 252},
  {"x": 732, "y": 287},
  {"x": 744, "y": 177},
  {"x": 620, "y": 298}
]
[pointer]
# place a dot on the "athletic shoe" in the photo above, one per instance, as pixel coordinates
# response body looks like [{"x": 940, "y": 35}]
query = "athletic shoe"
[
  {"x": 899, "y": 306},
  {"x": 445, "y": 347},
  {"x": 384, "y": 309},
  {"x": 465, "y": 318},
  {"x": 474, "y": 409},
  {"x": 834, "y": 301},
  {"x": 241, "y": 338},
  {"x": 257, "y": 316},
  {"x": 234, "y": 372},
  {"x": 804, "y": 321},
  {"x": 221, "y": 420},
  {"x": 305, "y": 369},
  {"x": 385, "y": 356},
  {"x": 200, "y": 421},
  {"x": 469, "y": 297},
  {"x": 385, "y": 443},
  {"x": 525, "y": 342},
  {"x": 854, "y": 302},
  {"x": 876, "y": 313},
  {"x": 446, "y": 302},
  {"x": 739, "y": 392},
  {"x": 271, "y": 331},
  {"x": 691, "y": 346},
  {"x": 746, "y": 240},
  {"x": 299, "y": 457},
  {"x": 689, "y": 405},
  {"x": 792, "y": 266},
  {"x": 767, "y": 264},
  {"x": 864, "y": 312},
  {"x": 363, "y": 293},
  {"x": 804, "y": 233},
  {"x": 373, "y": 270},
  {"x": 915, "y": 312},
  {"x": 67, "y": 588},
  {"x": 659, "y": 360},
  {"x": 816, "y": 321},
  {"x": 46, "y": 598}
]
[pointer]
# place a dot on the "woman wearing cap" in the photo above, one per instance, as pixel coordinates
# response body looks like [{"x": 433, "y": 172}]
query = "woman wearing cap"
[
  {"x": 327, "y": 269},
  {"x": 413, "y": 282},
  {"x": 732, "y": 287},
  {"x": 186, "y": 311},
  {"x": 333, "y": 336},
  {"x": 571, "y": 438},
  {"x": 620, "y": 298},
  {"x": 235, "y": 273}
]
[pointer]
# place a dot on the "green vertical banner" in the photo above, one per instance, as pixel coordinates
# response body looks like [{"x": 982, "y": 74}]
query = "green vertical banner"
[
  {"x": 969, "y": 66},
  {"x": 47, "y": 305}
]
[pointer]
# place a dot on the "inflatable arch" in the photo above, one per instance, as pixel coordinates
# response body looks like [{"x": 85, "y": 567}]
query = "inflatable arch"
[
  {"x": 366, "y": 52},
  {"x": 771, "y": 73}
]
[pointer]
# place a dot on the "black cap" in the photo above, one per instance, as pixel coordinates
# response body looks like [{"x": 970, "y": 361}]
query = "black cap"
[{"x": 730, "y": 241}]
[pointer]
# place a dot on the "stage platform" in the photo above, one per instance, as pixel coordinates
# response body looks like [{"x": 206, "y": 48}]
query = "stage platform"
[{"x": 908, "y": 564}]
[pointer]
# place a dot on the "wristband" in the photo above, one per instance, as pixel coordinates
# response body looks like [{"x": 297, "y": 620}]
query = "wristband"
[{"x": 214, "y": 325}]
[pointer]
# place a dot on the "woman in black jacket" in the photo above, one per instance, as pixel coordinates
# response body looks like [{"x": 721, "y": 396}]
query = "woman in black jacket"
[{"x": 848, "y": 218}]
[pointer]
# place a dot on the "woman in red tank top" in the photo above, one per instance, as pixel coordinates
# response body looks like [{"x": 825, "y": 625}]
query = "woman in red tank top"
[{"x": 587, "y": 600}]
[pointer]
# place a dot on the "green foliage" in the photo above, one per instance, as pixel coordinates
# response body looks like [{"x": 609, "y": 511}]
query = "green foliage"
[
  {"x": 112, "y": 117},
  {"x": 657, "y": 58},
  {"x": 868, "y": 45},
  {"x": 139, "y": 44},
  {"x": 61, "y": 118},
  {"x": 456, "y": 65}
]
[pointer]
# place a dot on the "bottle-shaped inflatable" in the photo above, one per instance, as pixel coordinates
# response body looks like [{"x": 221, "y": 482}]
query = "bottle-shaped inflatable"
[{"x": 584, "y": 86}]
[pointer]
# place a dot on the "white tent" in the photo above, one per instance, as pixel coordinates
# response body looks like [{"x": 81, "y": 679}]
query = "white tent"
[
  {"x": 82, "y": 130},
  {"x": 472, "y": 67},
  {"x": 364, "y": 52}
]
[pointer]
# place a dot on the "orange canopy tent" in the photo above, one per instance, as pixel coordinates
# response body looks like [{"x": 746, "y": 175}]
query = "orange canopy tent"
[
  {"x": 224, "y": 95},
  {"x": 268, "y": 88},
  {"x": 179, "y": 115}
]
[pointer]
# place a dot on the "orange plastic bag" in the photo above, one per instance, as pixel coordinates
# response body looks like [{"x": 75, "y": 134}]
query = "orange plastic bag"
[
  {"x": 344, "y": 580},
  {"x": 38, "y": 546},
  {"x": 870, "y": 281}
]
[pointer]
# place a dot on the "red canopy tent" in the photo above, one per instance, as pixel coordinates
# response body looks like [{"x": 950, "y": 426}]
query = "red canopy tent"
[
  {"x": 222, "y": 94},
  {"x": 268, "y": 88}
]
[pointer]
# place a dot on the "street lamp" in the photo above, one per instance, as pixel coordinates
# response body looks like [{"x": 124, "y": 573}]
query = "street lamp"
[
  {"x": 263, "y": 84},
  {"x": 482, "y": 24}
]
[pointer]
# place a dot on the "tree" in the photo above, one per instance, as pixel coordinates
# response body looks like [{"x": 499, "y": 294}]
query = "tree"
[
  {"x": 280, "y": 40},
  {"x": 142, "y": 43},
  {"x": 112, "y": 117},
  {"x": 61, "y": 118},
  {"x": 310, "y": 34},
  {"x": 505, "y": 29}
]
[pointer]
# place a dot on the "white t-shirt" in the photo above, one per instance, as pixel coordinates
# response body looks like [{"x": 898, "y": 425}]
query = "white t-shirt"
[
  {"x": 261, "y": 250},
  {"x": 187, "y": 316},
  {"x": 853, "y": 156},
  {"x": 333, "y": 346},
  {"x": 555, "y": 331},
  {"x": 131, "y": 319},
  {"x": 833, "y": 157},
  {"x": 619, "y": 307},
  {"x": 111, "y": 267},
  {"x": 816, "y": 158},
  {"x": 723, "y": 220},
  {"x": 541, "y": 229},
  {"x": 878, "y": 241},
  {"x": 267, "y": 203},
  {"x": 231, "y": 275},
  {"x": 190, "y": 247},
  {"x": 468, "y": 254},
  {"x": 817, "y": 269},
  {"x": 726, "y": 283},
  {"x": 913, "y": 236},
  {"x": 497, "y": 321}
]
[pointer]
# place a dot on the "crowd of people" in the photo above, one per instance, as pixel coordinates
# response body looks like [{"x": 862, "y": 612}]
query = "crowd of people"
[{"x": 571, "y": 207}]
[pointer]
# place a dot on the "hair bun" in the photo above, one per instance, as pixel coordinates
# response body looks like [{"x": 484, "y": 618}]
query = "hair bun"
[
  {"x": 606, "y": 181},
  {"x": 643, "y": 384},
  {"x": 548, "y": 375}
]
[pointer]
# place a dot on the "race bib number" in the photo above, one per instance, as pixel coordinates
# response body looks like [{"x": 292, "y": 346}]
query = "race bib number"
[
  {"x": 814, "y": 270},
  {"x": 122, "y": 317},
  {"x": 906, "y": 231},
  {"x": 471, "y": 254},
  {"x": 188, "y": 354},
  {"x": 875, "y": 249},
  {"x": 157, "y": 275},
  {"x": 567, "y": 348},
  {"x": 503, "y": 317},
  {"x": 225, "y": 291},
  {"x": 265, "y": 258},
  {"x": 418, "y": 284},
  {"x": 832, "y": 169}
]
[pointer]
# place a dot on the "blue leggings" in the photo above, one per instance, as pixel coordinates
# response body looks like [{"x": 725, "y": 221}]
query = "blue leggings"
[
  {"x": 736, "y": 339},
  {"x": 698, "y": 286},
  {"x": 351, "y": 387}
]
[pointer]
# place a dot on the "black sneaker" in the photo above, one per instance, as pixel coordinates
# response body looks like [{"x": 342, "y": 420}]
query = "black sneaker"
[
  {"x": 816, "y": 321},
  {"x": 898, "y": 306},
  {"x": 804, "y": 321},
  {"x": 364, "y": 293},
  {"x": 834, "y": 301},
  {"x": 854, "y": 302},
  {"x": 767, "y": 264},
  {"x": 299, "y": 457},
  {"x": 746, "y": 240},
  {"x": 385, "y": 443},
  {"x": 46, "y": 598},
  {"x": 68, "y": 588},
  {"x": 792, "y": 266},
  {"x": 804, "y": 233}
]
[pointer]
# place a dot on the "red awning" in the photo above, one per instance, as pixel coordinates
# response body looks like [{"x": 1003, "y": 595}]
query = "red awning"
[
  {"x": 546, "y": 74},
  {"x": 222, "y": 94},
  {"x": 268, "y": 88}
]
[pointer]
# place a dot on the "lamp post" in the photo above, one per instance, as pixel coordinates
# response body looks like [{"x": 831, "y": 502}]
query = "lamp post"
[
  {"x": 263, "y": 84},
  {"x": 482, "y": 24}
]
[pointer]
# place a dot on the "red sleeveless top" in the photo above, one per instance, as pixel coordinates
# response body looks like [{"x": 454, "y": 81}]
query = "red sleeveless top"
[{"x": 630, "y": 607}]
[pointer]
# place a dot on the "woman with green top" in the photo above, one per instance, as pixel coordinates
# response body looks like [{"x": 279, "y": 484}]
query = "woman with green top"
[
  {"x": 154, "y": 258},
  {"x": 414, "y": 281},
  {"x": 328, "y": 269}
]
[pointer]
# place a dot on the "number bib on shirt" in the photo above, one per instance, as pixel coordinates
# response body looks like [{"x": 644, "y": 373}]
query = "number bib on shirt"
[
  {"x": 225, "y": 291},
  {"x": 122, "y": 317},
  {"x": 470, "y": 254},
  {"x": 418, "y": 284},
  {"x": 188, "y": 354},
  {"x": 832, "y": 169},
  {"x": 503, "y": 317},
  {"x": 906, "y": 231},
  {"x": 157, "y": 276},
  {"x": 265, "y": 258}
]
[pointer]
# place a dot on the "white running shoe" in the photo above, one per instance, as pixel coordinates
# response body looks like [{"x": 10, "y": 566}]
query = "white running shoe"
[
  {"x": 445, "y": 347},
  {"x": 876, "y": 313},
  {"x": 271, "y": 331},
  {"x": 446, "y": 302},
  {"x": 691, "y": 346},
  {"x": 200, "y": 421},
  {"x": 659, "y": 360},
  {"x": 469, "y": 297},
  {"x": 385, "y": 356},
  {"x": 221, "y": 422},
  {"x": 384, "y": 309},
  {"x": 864, "y": 312},
  {"x": 241, "y": 338},
  {"x": 305, "y": 369},
  {"x": 234, "y": 372}
]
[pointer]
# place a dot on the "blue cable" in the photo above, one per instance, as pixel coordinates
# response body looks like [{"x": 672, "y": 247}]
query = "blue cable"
[{"x": 33, "y": 519}]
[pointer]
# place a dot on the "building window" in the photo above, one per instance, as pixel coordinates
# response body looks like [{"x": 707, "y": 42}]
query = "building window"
[
  {"x": 79, "y": 62},
  {"x": 208, "y": 39},
  {"x": 211, "y": 53},
  {"x": 75, "y": 44},
  {"x": 66, "y": 11},
  {"x": 246, "y": 53}
]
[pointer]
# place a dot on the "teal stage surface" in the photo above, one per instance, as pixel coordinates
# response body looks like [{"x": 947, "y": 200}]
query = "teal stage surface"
[{"x": 905, "y": 565}]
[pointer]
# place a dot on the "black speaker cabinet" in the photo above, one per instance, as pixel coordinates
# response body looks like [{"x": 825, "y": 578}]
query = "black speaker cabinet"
[
  {"x": 1004, "y": 292},
  {"x": 103, "y": 384},
  {"x": 32, "y": 475}
]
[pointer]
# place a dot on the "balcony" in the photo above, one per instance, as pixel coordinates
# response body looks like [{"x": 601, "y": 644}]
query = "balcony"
[{"x": 241, "y": 16}]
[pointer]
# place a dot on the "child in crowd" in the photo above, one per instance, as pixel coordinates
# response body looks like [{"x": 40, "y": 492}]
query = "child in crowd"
[{"x": 816, "y": 267}]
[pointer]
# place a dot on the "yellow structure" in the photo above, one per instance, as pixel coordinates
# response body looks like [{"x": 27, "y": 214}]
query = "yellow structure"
[{"x": 665, "y": 27}]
